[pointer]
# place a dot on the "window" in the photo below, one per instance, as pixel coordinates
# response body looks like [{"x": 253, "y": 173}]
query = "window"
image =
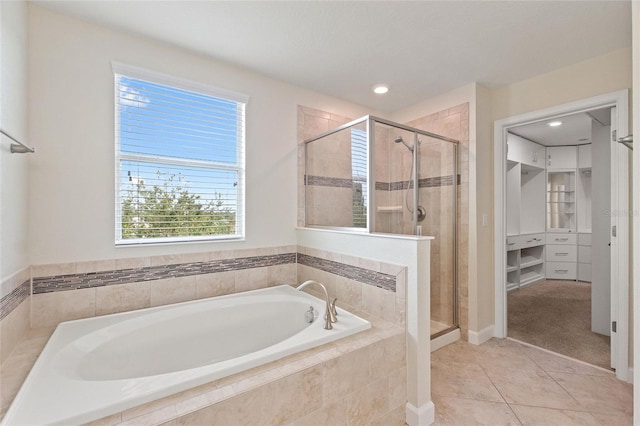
[
  {"x": 359, "y": 177},
  {"x": 179, "y": 160}
]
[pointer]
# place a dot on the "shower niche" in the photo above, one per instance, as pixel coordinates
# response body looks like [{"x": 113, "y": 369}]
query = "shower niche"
[{"x": 376, "y": 176}]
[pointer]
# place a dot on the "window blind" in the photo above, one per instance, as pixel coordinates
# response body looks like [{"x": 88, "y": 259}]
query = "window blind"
[
  {"x": 180, "y": 163},
  {"x": 359, "y": 177}
]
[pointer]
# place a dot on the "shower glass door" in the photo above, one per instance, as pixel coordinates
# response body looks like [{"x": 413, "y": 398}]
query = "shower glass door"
[
  {"x": 438, "y": 194},
  {"x": 431, "y": 210}
]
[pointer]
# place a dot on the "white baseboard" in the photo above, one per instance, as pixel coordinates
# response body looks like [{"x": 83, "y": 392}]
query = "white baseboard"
[
  {"x": 423, "y": 416},
  {"x": 479, "y": 337},
  {"x": 445, "y": 339}
]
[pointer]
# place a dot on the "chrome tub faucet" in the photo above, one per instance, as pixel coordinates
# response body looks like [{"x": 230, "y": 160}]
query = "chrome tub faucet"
[{"x": 330, "y": 315}]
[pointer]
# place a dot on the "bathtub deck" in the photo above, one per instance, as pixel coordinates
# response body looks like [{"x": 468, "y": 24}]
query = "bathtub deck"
[{"x": 15, "y": 369}]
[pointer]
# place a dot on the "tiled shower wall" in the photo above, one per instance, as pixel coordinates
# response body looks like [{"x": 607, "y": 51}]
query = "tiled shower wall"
[
  {"x": 393, "y": 162},
  {"x": 312, "y": 122}
]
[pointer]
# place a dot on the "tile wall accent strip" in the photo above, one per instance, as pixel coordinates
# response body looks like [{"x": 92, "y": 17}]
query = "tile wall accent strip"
[
  {"x": 367, "y": 276},
  {"x": 329, "y": 181},
  {"x": 12, "y": 300},
  {"x": 383, "y": 186},
  {"x": 431, "y": 182},
  {"x": 151, "y": 273}
]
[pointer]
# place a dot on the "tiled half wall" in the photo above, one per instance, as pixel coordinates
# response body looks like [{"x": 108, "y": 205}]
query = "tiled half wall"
[
  {"x": 73, "y": 291},
  {"x": 14, "y": 310}
]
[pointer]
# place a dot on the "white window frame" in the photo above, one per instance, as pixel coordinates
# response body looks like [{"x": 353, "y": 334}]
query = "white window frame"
[{"x": 188, "y": 85}]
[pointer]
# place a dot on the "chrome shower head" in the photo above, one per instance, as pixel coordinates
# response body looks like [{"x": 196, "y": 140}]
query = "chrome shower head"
[{"x": 400, "y": 140}]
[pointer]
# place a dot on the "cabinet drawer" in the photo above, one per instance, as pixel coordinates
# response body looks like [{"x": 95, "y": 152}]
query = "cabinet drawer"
[
  {"x": 584, "y": 239},
  {"x": 584, "y": 272},
  {"x": 553, "y": 238},
  {"x": 584, "y": 254},
  {"x": 561, "y": 253},
  {"x": 516, "y": 242},
  {"x": 561, "y": 270}
]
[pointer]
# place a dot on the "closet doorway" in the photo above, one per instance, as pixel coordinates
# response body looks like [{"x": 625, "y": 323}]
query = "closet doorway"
[
  {"x": 558, "y": 235},
  {"x": 561, "y": 185}
]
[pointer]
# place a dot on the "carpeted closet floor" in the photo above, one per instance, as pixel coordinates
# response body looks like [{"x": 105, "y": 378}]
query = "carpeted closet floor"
[{"x": 556, "y": 315}]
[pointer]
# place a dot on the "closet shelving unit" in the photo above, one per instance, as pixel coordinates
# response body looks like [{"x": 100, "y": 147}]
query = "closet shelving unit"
[
  {"x": 525, "y": 213},
  {"x": 561, "y": 201}
]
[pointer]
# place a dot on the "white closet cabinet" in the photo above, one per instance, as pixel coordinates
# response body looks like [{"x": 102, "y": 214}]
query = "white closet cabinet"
[
  {"x": 520, "y": 150},
  {"x": 561, "y": 200},
  {"x": 584, "y": 212},
  {"x": 584, "y": 156},
  {"x": 584, "y": 257},
  {"x": 562, "y": 157},
  {"x": 562, "y": 256},
  {"x": 525, "y": 212}
]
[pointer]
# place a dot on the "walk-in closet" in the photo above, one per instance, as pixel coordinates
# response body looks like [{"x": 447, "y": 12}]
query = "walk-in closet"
[{"x": 558, "y": 222}]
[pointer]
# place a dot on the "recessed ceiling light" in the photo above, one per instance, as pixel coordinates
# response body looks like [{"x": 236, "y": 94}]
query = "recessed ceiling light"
[
  {"x": 380, "y": 89},
  {"x": 554, "y": 123}
]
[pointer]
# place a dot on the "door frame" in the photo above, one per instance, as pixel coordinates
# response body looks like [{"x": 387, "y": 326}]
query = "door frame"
[{"x": 620, "y": 280}]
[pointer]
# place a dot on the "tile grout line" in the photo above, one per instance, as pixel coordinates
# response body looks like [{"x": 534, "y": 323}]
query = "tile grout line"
[
  {"x": 568, "y": 358},
  {"x": 501, "y": 395},
  {"x": 548, "y": 373},
  {"x": 553, "y": 379}
]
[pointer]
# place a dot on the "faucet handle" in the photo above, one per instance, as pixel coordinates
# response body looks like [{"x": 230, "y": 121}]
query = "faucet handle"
[{"x": 334, "y": 311}]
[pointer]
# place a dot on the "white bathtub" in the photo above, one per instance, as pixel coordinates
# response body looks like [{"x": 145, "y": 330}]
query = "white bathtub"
[{"x": 95, "y": 367}]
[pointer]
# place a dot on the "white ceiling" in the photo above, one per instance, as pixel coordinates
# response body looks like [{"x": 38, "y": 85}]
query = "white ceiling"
[
  {"x": 420, "y": 48},
  {"x": 575, "y": 129}
]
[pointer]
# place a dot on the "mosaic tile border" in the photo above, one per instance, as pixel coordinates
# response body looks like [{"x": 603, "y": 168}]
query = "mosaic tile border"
[
  {"x": 367, "y": 276},
  {"x": 431, "y": 182},
  {"x": 152, "y": 273},
  {"x": 12, "y": 300},
  {"x": 67, "y": 282},
  {"x": 331, "y": 181}
]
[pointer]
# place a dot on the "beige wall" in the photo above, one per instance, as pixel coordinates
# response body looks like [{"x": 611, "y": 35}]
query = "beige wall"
[
  {"x": 14, "y": 168},
  {"x": 72, "y": 210},
  {"x": 483, "y": 316},
  {"x": 599, "y": 75}
]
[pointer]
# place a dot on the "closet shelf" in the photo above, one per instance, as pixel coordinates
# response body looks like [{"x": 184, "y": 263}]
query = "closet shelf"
[
  {"x": 512, "y": 268},
  {"x": 529, "y": 261},
  {"x": 530, "y": 278}
]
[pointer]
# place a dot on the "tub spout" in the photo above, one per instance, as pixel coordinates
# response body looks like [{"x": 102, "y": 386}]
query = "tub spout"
[{"x": 329, "y": 314}]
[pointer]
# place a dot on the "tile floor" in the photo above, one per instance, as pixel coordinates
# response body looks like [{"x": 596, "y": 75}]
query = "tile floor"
[{"x": 503, "y": 382}]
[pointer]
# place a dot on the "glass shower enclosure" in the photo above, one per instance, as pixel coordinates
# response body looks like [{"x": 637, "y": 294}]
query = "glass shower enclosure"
[{"x": 374, "y": 175}]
